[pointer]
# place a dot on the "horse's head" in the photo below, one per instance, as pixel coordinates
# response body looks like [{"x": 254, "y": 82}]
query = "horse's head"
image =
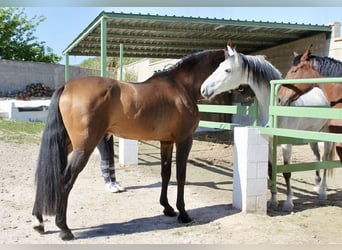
[
  {"x": 226, "y": 77},
  {"x": 302, "y": 67}
]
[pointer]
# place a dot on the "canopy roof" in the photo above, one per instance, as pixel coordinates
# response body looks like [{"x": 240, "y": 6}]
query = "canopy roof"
[{"x": 156, "y": 36}]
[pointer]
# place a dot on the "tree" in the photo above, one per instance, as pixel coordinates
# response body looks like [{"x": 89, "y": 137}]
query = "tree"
[{"x": 17, "y": 40}]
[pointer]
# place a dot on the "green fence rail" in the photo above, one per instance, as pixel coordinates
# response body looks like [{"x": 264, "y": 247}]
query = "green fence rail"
[{"x": 227, "y": 109}]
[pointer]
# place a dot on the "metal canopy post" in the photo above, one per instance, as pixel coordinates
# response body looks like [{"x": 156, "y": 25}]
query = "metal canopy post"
[
  {"x": 103, "y": 47},
  {"x": 121, "y": 61},
  {"x": 67, "y": 68},
  {"x": 128, "y": 149}
]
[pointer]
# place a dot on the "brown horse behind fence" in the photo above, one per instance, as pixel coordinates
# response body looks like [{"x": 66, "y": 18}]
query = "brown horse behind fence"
[
  {"x": 310, "y": 66},
  {"x": 162, "y": 108}
]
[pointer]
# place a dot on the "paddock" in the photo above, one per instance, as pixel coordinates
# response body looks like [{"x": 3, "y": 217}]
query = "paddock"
[{"x": 135, "y": 216}]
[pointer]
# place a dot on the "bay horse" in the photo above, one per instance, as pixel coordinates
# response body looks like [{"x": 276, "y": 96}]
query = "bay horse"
[
  {"x": 256, "y": 72},
  {"x": 311, "y": 66},
  {"x": 84, "y": 110}
]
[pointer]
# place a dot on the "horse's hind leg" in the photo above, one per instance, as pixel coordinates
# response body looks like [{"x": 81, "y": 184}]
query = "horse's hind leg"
[
  {"x": 76, "y": 163},
  {"x": 315, "y": 149},
  {"x": 288, "y": 204},
  {"x": 38, "y": 218},
  {"x": 166, "y": 149}
]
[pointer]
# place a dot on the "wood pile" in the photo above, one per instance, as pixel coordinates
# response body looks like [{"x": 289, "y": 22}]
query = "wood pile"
[{"x": 34, "y": 90}]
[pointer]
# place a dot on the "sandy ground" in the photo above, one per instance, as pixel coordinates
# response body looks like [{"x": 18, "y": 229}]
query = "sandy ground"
[{"x": 135, "y": 216}]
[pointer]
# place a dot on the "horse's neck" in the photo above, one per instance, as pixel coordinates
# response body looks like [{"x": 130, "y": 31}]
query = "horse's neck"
[{"x": 262, "y": 93}]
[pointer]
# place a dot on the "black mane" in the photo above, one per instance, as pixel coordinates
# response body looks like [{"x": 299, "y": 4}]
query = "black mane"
[
  {"x": 187, "y": 61},
  {"x": 325, "y": 66}
]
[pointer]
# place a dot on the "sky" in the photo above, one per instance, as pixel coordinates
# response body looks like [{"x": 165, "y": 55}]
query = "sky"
[{"x": 64, "y": 24}]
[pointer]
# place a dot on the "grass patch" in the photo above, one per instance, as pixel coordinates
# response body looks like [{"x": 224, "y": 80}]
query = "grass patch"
[{"x": 20, "y": 131}]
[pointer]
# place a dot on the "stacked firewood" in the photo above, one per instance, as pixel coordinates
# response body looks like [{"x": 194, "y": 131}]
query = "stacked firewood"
[
  {"x": 38, "y": 90},
  {"x": 35, "y": 90}
]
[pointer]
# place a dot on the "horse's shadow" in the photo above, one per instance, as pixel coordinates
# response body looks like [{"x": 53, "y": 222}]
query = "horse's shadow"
[
  {"x": 203, "y": 215},
  {"x": 304, "y": 199}
]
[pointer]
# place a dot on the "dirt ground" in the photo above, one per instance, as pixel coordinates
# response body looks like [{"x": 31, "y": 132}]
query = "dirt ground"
[{"x": 135, "y": 216}]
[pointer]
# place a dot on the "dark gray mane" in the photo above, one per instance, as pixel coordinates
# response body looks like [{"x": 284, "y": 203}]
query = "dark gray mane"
[
  {"x": 260, "y": 69},
  {"x": 325, "y": 66},
  {"x": 188, "y": 60}
]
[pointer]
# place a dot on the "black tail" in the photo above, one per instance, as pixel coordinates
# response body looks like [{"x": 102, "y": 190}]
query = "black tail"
[{"x": 52, "y": 160}]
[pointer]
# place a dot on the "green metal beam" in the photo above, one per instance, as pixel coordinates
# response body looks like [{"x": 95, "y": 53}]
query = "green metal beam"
[
  {"x": 67, "y": 68},
  {"x": 228, "y": 22},
  {"x": 121, "y": 61},
  {"x": 313, "y": 135},
  {"x": 227, "y": 109},
  {"x": 307, "y": 112},
  {"x": 218, "y": 125},
  {"x": 103, "y": 47},
  {"x": 296, "y": 167}
]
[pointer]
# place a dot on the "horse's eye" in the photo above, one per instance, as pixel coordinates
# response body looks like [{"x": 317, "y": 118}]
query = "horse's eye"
[{"x": 228, "y": 71}]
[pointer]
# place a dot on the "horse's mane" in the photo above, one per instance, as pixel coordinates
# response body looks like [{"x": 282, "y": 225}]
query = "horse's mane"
[
  {"x": 263, "y": 70},
  {"x": 325, "y": 66},
  {"x": 188, "y": 60}
]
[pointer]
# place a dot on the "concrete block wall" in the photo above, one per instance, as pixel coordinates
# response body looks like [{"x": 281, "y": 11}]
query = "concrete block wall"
[
  {"x": 250, "y": 170},
  {"x": 281, "y": 56},
  {"x": 15, "y": 75}
]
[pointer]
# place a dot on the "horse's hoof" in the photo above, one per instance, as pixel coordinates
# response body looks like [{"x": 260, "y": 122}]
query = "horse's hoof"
[
  {"x": 184, "y": 218},
  {"x": 39, "y": 228},
  {"x": 322, "y": 196},
  {"x": 66, "y": 236},
  {"x": 170, "y": 212},
  {"x": 272, "y": 204},
  {"x": 287, "y": 206},
  {"x": 316, "y": 189}
]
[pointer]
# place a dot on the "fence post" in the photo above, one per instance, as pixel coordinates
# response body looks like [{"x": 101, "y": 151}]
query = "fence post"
[
  {"x": 250, "y": 170},
  {"x": 128, "y": 152}
]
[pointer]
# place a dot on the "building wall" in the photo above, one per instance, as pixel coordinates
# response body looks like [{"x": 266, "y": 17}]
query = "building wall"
[
  {"x": 281, "y": 56},
  {"x": 145, "y": 68}
]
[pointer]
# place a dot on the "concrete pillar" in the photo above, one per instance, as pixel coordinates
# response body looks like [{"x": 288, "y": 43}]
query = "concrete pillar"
[
  {"x": 250, "y": 170},
  {"x": 128, "y": 152}
]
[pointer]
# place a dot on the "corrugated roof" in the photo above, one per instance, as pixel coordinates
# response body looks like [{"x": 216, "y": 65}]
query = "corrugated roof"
[{"x": 156, "y": 36}]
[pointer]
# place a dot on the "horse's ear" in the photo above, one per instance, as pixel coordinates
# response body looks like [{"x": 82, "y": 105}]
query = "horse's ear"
[
  {"x": 230, "y": 43},
  {"x": 230, "y": 51},
  {"x": 229, "y": 47},
  {"x": 306, "y": 54}
]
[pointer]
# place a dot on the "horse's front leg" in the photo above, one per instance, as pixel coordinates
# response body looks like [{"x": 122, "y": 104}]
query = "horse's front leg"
[
  {"x": 273, "y": 202},
  {"x": 321, "y": 186},
  {"x": 288, "y": 204},
  {"x": 166, "y": 149},
  {"x": 182, "y": 154}
]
